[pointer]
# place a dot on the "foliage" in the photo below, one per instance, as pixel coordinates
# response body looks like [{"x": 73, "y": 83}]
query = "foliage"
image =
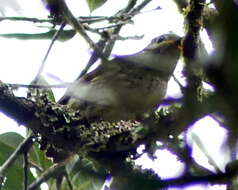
[
  {"x": 14, "y": 177},
  {"x": 94, "y": 4},
  {"x": 86, "y": 152}
]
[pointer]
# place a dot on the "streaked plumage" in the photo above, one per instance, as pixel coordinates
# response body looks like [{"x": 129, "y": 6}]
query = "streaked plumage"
[{"x": 126, "y": 86}]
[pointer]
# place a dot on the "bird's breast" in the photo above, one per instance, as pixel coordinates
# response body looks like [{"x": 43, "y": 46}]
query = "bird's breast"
[
  {"x": 140, "y": 94},
  {"x": 122, "y": 96}
]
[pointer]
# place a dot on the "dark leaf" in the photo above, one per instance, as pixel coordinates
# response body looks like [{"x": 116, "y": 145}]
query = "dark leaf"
[
  {"x": 14, "y": 175},
  {"x": 94, "y": 4},
  {"x": 63, "y": 36}
]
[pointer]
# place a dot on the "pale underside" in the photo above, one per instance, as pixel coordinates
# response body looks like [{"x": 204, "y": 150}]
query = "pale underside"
[
  {"x": 129, "y": 86},
  {"x": 121, "y": 94}
]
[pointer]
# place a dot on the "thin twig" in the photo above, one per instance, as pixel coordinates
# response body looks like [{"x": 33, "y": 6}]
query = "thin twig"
[
  {"x": 61, "y": 85},
  {"x": 68, "y": 181},
  {"x": 25, "y": 169},
  {"x": 26, "y": 19},
  {"x": 102, "y": 42},
  {"x": 10, "y": 161},
  {"x": 69, "y": 17},
  {"x": 199, "y": 143},
  {"x": 47, "y": 53},
  {"x": 129, "y": 6},
  {"x": 35, "y": 166},
  {"x": 131, "y": 11},
  {"x": 93, "y": 58},
  {"x": 52, "y": 172},
  {"x": 182, "y": 88},
  {"x": 77, "y": 25},
  {"x": 111, "y": 43},
  {"x": 96, "y": 30},
  {"x": 82, "y": 19},
  {"x": 140, "y": 6}
]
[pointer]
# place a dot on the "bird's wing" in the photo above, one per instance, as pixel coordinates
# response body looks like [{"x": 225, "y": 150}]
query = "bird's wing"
[
  {"x": 105, "y": 73},
  {"x": 105, "y": 70}
]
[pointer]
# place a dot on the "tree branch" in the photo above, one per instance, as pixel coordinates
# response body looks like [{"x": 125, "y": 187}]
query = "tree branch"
[
  {"x": 78, "y": 27},
  {"x": 52, "y": 172},
  {"x": 192, "y": 69},
  {"x": 42, "y": 66}
]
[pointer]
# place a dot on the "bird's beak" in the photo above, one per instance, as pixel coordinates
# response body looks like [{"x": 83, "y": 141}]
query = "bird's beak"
[{"x": 177, "y": 42}]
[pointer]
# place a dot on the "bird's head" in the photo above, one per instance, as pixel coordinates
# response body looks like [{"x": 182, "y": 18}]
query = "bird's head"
[
  {"x": 160, "y": 55},
  {"x": 167, "y": 43}
]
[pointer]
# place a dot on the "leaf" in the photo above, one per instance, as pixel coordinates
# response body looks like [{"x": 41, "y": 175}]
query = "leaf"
[
  {"x": 84, "y": 175},
  {"x": 11, "y": 139},
  {"x": 36, "y": 155},
  {"x": 63, "y": 36},
  {"x": 14, "y": 174},
  {"x": 94, "y": 4},
  {"x": 83, "y": 182},
  {"x": 39, "y": 158}
]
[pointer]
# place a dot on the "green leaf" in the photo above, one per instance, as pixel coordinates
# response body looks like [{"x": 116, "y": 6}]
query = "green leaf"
[
  {"x": 83, "y": 182},
  {"x": 94, "y": 4},
  {"x": 84, "y": 175},
  {"x": 39, "y": 158},
  {"x": 63, "y": 36},
  {"x": 14, "y": 174},
  {"x": 11, "y": 139}
]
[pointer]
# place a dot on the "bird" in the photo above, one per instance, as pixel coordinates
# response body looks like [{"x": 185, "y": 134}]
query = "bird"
[{"x": 126, "y": 87}]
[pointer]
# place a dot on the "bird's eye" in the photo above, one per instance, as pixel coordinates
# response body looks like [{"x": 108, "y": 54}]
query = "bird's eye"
[{"x": 159, "y": 39}]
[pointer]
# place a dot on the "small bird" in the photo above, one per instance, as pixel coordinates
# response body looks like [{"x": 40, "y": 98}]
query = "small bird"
[{"x": 129, "y": 86}]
